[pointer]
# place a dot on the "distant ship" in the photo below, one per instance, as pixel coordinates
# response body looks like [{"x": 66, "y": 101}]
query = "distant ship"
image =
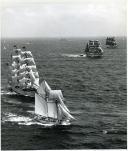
[
  {"x": 93, "y": 49},
  {"x": 24, "y": 80},
  {"x": 111, "y": 42}
]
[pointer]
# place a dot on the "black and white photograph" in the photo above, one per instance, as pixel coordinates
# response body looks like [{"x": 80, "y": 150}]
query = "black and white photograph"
[{"x": 63, "y": 74}]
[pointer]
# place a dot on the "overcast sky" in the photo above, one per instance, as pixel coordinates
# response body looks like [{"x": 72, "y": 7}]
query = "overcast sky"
[{"x": 78, "y": 19}]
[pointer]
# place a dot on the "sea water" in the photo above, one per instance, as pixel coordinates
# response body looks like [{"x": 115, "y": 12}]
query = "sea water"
[{"x": 94, "y": 90}]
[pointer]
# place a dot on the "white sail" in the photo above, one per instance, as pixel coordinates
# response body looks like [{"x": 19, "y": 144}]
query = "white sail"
[
  {"x": 24, "y": 80},
  {"x": 62, "y": 104},
  {"x": 15, "y": 65},
  {"x": 43, "y": 88},
  {"x": 17, "y": 59},
  {"x": 22, "y": 74},
  {"x": 33, "y": 79},
  {"x": 28, "y": 61},
  {"x": 52, "y": 109},
  {"x": 13, "y": 72},
  {"x": 54, "y": 94},
  {"x": 36, "y": 74},
  {"x": 65, "y": 113},
  {"x": 49, "y": 103},
  {"x": 40, "y": 105},
  {"x": 57, "y": 95},
  {"x": 33, "y": 67},
  {"x": 27, "y": 54},
  {"x": 25, "y": 83}
]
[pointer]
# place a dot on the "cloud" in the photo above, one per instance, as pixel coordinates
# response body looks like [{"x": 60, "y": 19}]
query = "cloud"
[{"x": 95, "y": 18}]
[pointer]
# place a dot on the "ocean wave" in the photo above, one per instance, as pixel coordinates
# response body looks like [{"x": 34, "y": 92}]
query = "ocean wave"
[
  {"x": 115, "y": 131},
  {"x": 12, "y": 102}
]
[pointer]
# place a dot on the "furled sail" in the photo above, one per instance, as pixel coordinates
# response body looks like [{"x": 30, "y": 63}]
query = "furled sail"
[{"x": 43, "y": 89}]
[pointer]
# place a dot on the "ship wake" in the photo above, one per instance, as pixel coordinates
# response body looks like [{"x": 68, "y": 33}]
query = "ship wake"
[
  {"x": 73, "y": 55},
  {"x": 27, "y": 120}
]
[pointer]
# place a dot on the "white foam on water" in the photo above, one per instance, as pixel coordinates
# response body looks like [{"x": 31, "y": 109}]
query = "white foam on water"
[
  {"x": 4, "y": 92},
  {"x": 74, "y": 55},
  {"x": 19, "y": 119},
  {"x": 32, "y": 112},
  {"x": 23, "y": 120},
  {"x": 15, "y": 118},
  {"x": 36, "y": 123},
  {"x": 9, "y": 114}
]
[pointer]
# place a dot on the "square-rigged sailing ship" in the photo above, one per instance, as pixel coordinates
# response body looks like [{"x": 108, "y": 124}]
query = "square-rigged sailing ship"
[{"x": 24, "y": 80}]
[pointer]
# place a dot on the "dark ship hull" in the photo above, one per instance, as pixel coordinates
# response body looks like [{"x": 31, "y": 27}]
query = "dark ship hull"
[
  {"x": 23, "y": 92},
  {"x": 111, "y": 46},
  {"x": 94, "y": 55}
]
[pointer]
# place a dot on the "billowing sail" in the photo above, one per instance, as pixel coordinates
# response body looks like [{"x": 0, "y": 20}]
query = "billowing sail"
[
  {"x": 44, "y": 105},
  {"x": 44, "y": 88},
  {"x": 57, "y": 95},
  {"x": 53, "y": 103},
  {"x": 36, "y": 74},
  {"x": 40, "y": 105},
  {"x": 54, "y": 94},
  {"x": 62, "y": 104},
  {"x": 65, "y": 113}
]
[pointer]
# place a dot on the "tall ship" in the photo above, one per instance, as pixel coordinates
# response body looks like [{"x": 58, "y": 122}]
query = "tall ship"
[
  {"x": 111, "y": 42},
  {"x": 24, "y": 80},
  {"x": 93, "y": 49},
  {"x": 50, "y": 107},
  {"x": 23, "y": 74}
]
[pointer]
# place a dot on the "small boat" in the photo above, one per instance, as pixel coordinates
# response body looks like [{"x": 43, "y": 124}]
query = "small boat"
[
  {"x": 93, "y": 49},
  {"x": 23, "y": 75},
  {"x": 82, "y": 55},
  {"x": 49, "y": 106},
  {"x": 111, "y": 42}
]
